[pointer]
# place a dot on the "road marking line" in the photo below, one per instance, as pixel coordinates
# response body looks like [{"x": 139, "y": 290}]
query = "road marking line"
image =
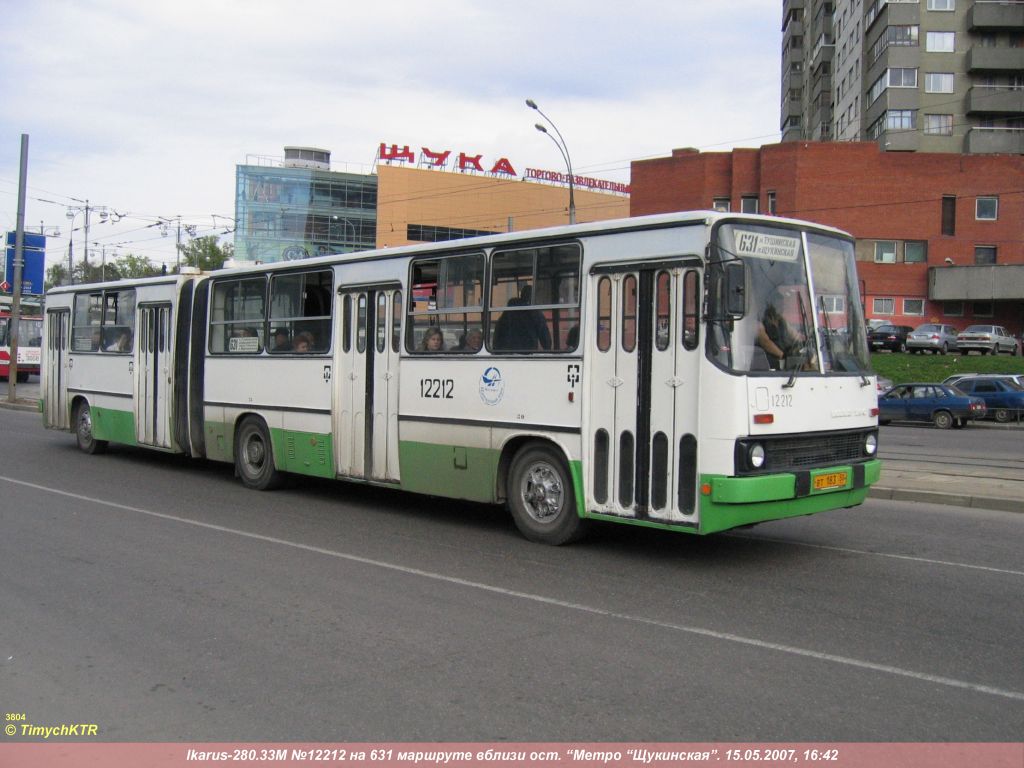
[
  {"x": 752, "y": 537},
  {"x": 592, "y": 610}
]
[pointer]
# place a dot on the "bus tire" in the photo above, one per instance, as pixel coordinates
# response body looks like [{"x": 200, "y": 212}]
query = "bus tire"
[
  {"x": 541, "y": 497},
  {"x": 254, "y": 456},
  {"x": 83, "y": 430}
]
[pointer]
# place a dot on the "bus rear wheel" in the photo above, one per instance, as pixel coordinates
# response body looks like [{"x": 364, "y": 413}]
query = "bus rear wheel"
[
  {"x": 83, "y": 431},
  {"x": 254, "y": 456},
  {"x": 542, "y": 499}
]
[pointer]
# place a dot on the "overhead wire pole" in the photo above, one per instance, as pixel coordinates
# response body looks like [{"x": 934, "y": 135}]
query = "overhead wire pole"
[{"x": 19, "y": 261}]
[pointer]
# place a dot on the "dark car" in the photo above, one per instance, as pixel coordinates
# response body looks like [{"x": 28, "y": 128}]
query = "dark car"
[
  {"x": 1003, "y": 397},
  {"x": 942, "y": 405},
  {"x": 891, "y": 337}
]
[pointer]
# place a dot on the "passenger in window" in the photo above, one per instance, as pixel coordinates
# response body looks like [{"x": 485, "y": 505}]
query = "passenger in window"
[
  {"x": 123, "y": 343},
  {"x": 304, "y": 343},
  {"x": 572, "y": 338},
  {"x": 97, "y": 340},
  {"x": 472, "y": 341},
  {"x": 282, "y": 341},
  {"x": 522, "y": 330},
  {"x": 433, "y": 340}
]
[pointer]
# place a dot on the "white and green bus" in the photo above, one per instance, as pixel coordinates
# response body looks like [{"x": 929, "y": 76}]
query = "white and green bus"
[{"x": 693, "y": 372}]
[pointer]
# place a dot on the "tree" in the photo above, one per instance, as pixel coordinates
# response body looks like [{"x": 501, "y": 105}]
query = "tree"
[
  {"x": 206, "y": 253},
  {"x": 131, "y": 266}
]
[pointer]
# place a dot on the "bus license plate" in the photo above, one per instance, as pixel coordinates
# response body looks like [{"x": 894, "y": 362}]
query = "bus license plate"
[{"x": 830, "y": 480}]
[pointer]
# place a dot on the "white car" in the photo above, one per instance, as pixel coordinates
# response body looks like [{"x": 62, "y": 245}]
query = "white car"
[{"x": 987, "y": 339}]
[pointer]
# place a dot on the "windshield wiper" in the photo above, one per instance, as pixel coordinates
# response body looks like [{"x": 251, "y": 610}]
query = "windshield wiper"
[{"x": 805, "y": 356}]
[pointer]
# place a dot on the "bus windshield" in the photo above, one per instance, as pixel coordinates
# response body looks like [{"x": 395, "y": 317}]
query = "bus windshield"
[{"x": 801, "y": 305}]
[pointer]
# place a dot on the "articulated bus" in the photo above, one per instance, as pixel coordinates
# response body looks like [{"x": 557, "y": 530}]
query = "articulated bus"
[
  {"x": 616, "y": 371},
  {"x": 30, "y": 335}
]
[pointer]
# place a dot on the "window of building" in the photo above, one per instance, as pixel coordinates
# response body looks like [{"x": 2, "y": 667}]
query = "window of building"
[
  {"x": 941, "y": 5},
  {"x": 938, "y": 125},
  {"x": 902, "y": 77},
  {"x": 982, "y": 308},
  {"x": 721, "y": 204},
  {"x": 986, "y": 208},
  {"x": 948, "y": 215},
  {"x": 885, "y": 251},
  {"x": 915, "y": 251},
  {"x": 833, "y": 304},
  {"x": 953, "y": 308},
  {"x": 984, "y": 254},
  {"x": 940, "y": 42},
  {"x": 748, "y": 204},
  {"x": 771, "y": 204},
  {"x": 427, "y": 233},
  {"x": 913, "y": 306},
  {"x": 899, "y": 120},
  {"x": 535, "y": 299},
  {"x": 938, "y": 82},
  {"x": 883, "y": 306},
  {"x": 447, "y": 296}
]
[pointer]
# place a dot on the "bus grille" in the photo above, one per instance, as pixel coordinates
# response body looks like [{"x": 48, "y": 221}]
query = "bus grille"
[{"x": 810, "y": 451}]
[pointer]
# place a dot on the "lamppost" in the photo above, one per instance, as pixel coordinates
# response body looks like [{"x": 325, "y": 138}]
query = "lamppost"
[{"x": 560, "y": 143}]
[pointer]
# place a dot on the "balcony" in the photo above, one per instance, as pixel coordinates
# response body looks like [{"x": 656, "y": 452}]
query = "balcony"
[
  {"x": 995, "y": 141},
  {"x": 899, "y": 141},
  {"x": 995, "y": 100},
  {"x": 823, "y": 50},
  {"x": 981, "y": 59},
  {"x": 996, "y": 15},
  {"x": 988, "y": 283}
]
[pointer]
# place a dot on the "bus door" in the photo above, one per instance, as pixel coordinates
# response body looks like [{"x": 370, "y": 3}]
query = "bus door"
[
  {"x": 152, "y": 375},
  {"x": 366, "y": 390},
  {"x": 643, "y": 362},
  {"x": 58, "y": 328}
]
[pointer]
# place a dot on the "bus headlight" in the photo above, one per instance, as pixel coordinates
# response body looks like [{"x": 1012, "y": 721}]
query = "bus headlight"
[
  {"x": 871, "y": 444},
  {"x": 755, "y": 455}
]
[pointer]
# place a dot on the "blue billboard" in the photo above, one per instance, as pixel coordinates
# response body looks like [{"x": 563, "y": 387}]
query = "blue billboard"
[{"x": 34, "y": 268}]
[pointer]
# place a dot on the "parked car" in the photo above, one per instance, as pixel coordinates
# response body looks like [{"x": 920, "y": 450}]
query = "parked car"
[
  {"x": 987, "y": 339},
  {"x": 891, "y": 337},
  {"x": 933, "y": 337},
  {"x": 1003, "y": 397},
  {"x": 1016, "y": 378},
  {"x": 942, "y": 405}
]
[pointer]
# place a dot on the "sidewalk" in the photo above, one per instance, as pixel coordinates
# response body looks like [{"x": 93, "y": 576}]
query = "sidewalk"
[
  {"x": 21, "y": 404},
  {"x": 901, "y": 482}
]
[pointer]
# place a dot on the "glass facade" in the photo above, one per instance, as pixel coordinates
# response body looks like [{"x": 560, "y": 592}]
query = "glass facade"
[{"x": 284, "y": 214}]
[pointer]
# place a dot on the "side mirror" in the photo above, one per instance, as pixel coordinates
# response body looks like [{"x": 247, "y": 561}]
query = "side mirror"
[{"x": 735, "y": 289}]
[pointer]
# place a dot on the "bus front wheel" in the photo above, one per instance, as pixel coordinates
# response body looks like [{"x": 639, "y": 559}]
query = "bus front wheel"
[
  {"x": 541, "y": 497},
  {"x": 83, "y": 430},
  {"x": 254, "y": 456}
]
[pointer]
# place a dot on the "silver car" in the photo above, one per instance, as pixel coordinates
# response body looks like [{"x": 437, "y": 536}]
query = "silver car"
[
  {"x": 987, "y": 339},
  {"x": 933, "y": 337}
]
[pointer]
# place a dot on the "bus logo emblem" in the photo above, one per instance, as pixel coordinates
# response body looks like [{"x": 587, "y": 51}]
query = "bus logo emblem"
[{"x": 492, "y": 386}]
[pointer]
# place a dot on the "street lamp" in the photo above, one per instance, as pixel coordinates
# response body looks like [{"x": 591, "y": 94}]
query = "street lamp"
[{"x": 563, "y": 148}]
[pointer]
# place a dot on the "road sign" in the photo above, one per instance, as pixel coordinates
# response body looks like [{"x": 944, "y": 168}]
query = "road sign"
[{"x": 32, "y": 271}]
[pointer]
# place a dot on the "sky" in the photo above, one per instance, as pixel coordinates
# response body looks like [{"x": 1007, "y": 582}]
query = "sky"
[{"x": 147, "y": 107}]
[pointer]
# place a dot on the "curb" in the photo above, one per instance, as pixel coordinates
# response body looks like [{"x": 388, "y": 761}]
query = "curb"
[
  {"x": 952, "y": 499},
  {"x": 20, "y": 405}
]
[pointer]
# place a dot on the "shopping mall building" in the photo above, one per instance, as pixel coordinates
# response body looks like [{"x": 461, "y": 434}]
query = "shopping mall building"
[{"x": 297, "y": 206}]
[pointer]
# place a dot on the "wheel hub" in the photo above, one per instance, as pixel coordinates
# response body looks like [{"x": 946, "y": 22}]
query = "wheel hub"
[{"x": 542, "y": 492}]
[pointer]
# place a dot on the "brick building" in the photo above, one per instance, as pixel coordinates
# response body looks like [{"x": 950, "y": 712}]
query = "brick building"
[{"x": 940, "y": 236}]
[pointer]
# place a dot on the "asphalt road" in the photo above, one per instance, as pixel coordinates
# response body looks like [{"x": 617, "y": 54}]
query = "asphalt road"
[{"x": 153, "y": 596}]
